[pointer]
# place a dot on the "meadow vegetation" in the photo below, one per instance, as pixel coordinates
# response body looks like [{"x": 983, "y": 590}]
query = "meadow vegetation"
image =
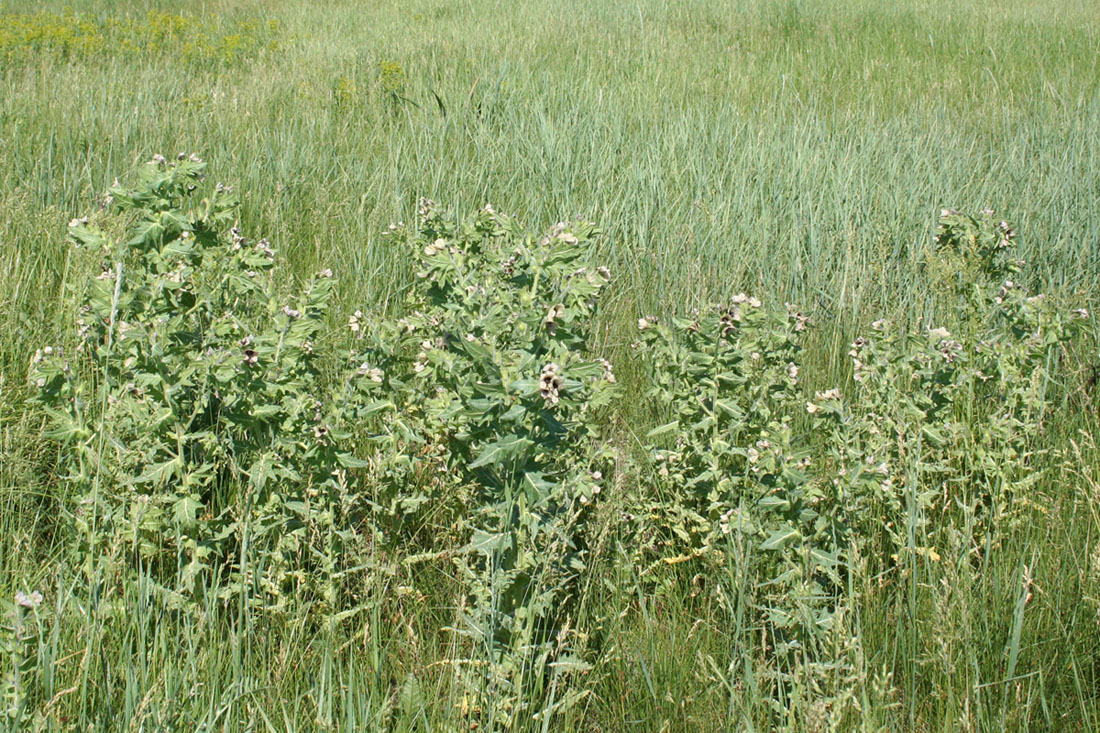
[{"x": 686, "y": 407}]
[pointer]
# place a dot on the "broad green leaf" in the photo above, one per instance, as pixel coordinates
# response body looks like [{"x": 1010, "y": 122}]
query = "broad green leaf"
[
  {"x": 502, "y": 451},
  {"x": 347, "y": 460},
  {"x": 780, "y": 538},
  {"x": 185, "y": 511},
  {"x": 159, "y": 473},
  {"x": 774, "y": 502},
  {"x": 486, "y": 543}
]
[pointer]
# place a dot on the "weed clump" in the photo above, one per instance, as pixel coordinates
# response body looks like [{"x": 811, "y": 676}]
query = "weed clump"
[
  {"x": 81, "y": 37},
  {"x": 207, "y": 452},
  {"x": 195, "y": 419}
]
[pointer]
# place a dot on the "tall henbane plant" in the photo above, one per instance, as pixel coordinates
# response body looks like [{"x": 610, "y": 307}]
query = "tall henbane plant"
[
  {"x": 500, "y": 341},
  {"x": 199, "y": 443}
]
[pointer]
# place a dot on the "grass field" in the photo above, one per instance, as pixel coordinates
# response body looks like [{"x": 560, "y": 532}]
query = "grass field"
[{"x": 797, "y": 149}]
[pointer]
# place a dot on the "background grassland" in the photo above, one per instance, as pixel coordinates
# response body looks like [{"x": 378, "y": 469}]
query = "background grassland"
[{"x": 797, "y": 150}]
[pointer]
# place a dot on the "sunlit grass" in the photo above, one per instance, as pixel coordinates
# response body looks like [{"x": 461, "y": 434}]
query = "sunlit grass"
[{"x": 797, "y": 149}]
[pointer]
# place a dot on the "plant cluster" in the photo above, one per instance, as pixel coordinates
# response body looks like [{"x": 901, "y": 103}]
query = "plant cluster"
[
  {"x": 493, "y": 378},
  {"x": 387, "y": 81},
  {"x": 940, "y": 434},
  {"x": 203, "y": 446},
  {"x": 740, "y": 480},
  {"x": 950, "y": 417},
  {"x": 72, "y": 36},
  {"x": 206, "y": 448},
  {"x": 195, "y": 419}
]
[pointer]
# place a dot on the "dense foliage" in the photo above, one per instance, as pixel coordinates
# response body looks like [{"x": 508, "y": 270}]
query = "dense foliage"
[{"x": 207, "y": 452}]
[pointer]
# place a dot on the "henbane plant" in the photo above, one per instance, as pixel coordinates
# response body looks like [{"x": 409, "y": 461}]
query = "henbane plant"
[
  {"x": 949, "y": 416},
  {"x": 938, "y": 431},
  {"x": 202, "y": 448},
  {"x": 500, "y": 376},
  {"x": 199, "y": 443},
  {"x": 742, "y": 484}
]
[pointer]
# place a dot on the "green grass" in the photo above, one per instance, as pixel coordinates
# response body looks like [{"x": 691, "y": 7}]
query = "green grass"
[{"x": 792, "y": 148}]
